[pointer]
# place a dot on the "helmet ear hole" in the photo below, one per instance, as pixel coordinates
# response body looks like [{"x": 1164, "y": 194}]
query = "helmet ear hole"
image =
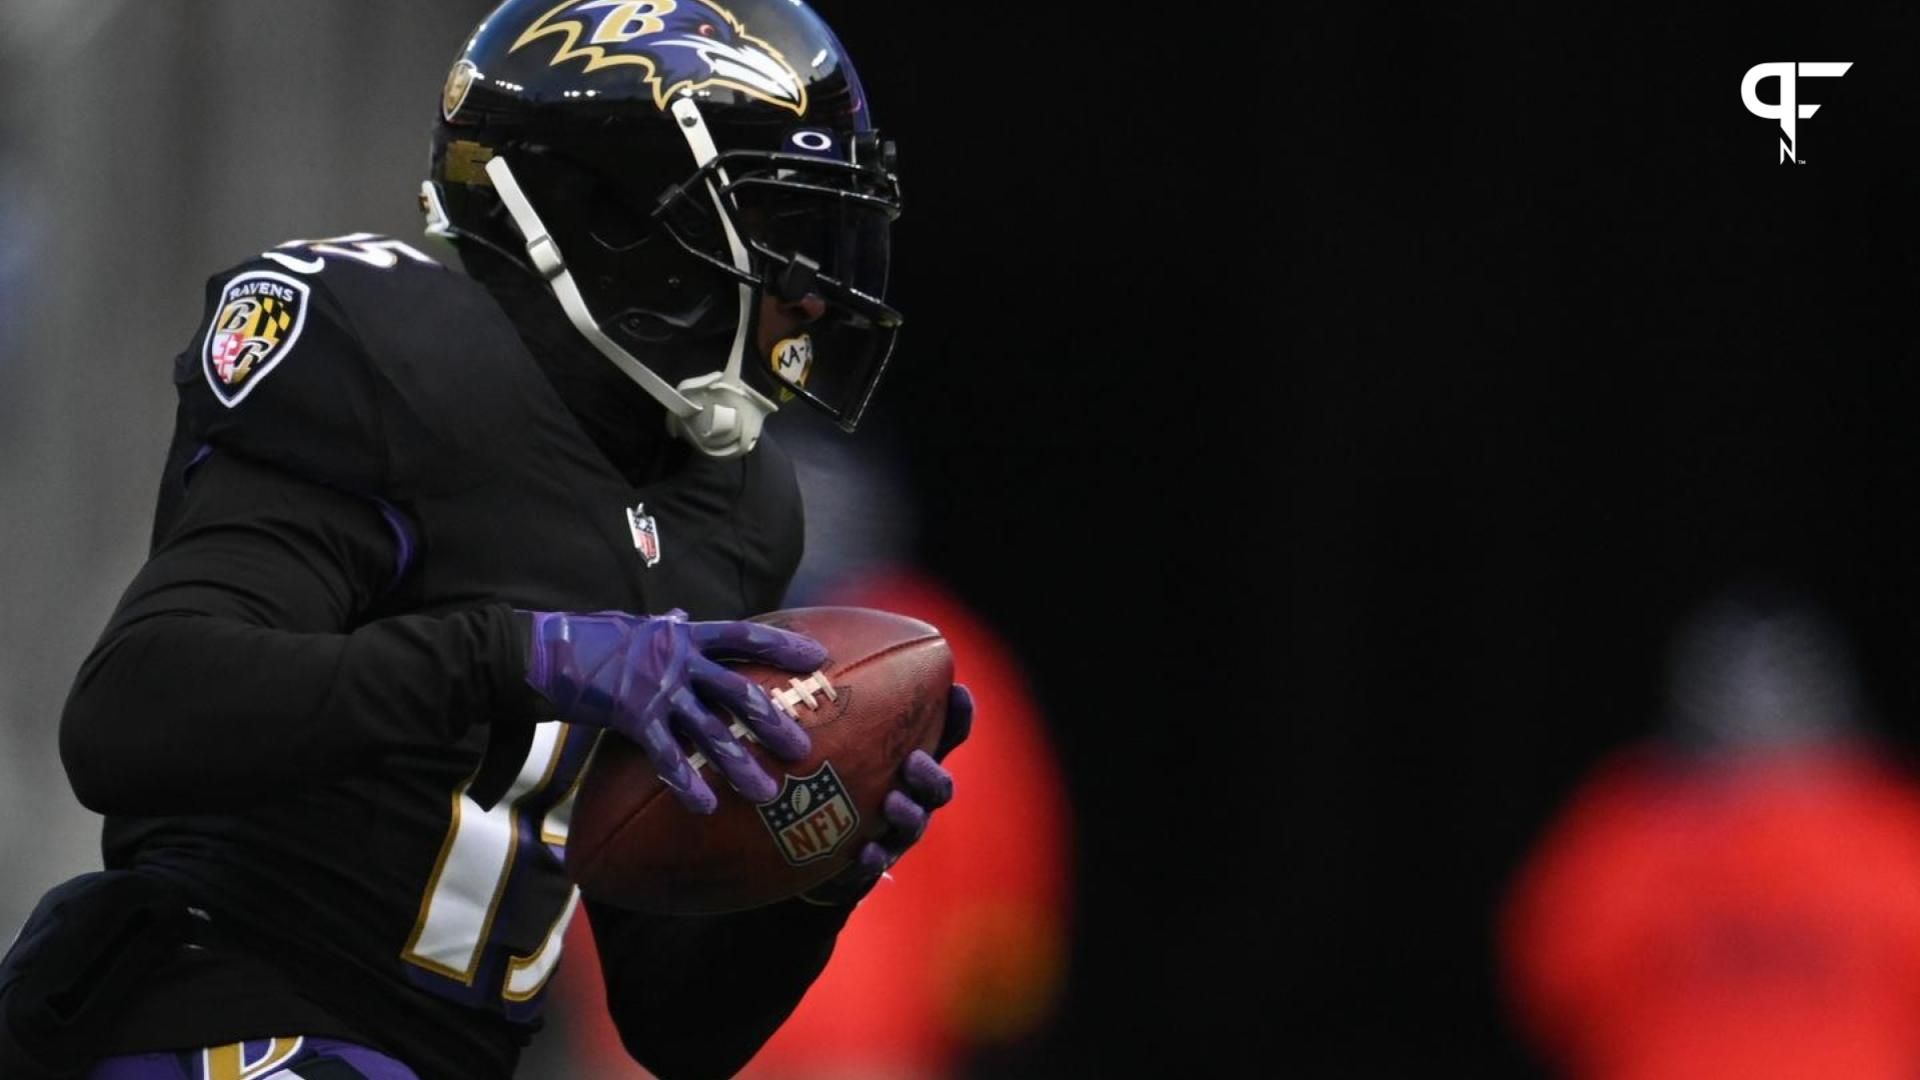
[
  {"x": 678, "y": 299},
  {"x": 666, "y": 326}
]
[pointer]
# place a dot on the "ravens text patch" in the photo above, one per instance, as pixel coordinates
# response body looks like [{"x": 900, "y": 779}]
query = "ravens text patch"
[{"x": 260, "y": 317}]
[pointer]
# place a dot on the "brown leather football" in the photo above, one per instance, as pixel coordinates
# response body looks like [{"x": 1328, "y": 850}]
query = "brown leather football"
[{"x": 881, "y": 695}]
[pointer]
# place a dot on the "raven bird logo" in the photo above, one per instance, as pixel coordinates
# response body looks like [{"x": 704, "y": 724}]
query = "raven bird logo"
[{"x": 682, "y": 45}]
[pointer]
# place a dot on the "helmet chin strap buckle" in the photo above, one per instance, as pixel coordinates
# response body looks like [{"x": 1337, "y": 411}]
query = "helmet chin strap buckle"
[
  {"x": 546, "y": 257},
  {"x": 730, "y": 419}
]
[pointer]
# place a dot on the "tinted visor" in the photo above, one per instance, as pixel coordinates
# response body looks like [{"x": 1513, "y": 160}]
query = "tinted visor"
[
  {"x": 817, "y": 235},
  {"x": 825, "y": 330}
]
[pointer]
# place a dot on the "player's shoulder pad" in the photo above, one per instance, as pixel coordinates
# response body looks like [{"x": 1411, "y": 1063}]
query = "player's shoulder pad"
[{"x": 358, "y": 362}]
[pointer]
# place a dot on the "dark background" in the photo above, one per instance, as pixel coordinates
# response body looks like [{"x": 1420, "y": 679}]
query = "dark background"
[
  {"x": 1094, "y": 467},
  {"x": 1570, "y": 351}
]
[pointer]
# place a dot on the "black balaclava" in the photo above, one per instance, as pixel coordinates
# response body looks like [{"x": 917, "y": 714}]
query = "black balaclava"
[{"x": 624, "y": 421}]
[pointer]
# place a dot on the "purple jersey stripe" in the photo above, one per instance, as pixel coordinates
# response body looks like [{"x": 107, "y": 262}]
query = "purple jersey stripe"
[
  {"x": 200, "y": 455},
  {"x": 403, "y": 536}
]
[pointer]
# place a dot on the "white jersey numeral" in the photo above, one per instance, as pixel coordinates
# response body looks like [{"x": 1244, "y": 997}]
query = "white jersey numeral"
[
  {"x": 379, "y": 252},
  {"x": 477, "y": 860}
]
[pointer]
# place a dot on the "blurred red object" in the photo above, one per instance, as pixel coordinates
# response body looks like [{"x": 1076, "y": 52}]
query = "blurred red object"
[
  {"x": 967, "y": 946},
  {"x": 1750, "y": 918}
]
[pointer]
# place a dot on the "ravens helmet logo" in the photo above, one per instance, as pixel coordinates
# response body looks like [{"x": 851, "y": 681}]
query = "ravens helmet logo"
[{"x": 682, "y": 45}]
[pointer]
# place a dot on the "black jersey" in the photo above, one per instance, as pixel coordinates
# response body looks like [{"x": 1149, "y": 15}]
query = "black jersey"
[{"x": 369, "y": 472}]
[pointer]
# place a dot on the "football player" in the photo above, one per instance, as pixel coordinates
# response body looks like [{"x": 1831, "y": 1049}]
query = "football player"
[{"x": 424, "y": 537}]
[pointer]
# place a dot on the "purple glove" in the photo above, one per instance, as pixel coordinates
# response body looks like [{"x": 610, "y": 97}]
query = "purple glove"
[
  {"x": 654, "y": 679},
  {"x": 924, "y": 787}
]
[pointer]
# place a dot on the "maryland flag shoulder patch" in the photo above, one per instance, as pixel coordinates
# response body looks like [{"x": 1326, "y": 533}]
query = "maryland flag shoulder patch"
[{"x": 260, "y": 318}]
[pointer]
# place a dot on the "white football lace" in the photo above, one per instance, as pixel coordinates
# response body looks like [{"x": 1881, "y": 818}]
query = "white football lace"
[
  {"x": 799, "y": 690},
  {"x": 787, "y": 700}
]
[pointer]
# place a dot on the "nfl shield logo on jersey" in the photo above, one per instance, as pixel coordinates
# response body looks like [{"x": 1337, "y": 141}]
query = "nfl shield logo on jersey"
[
  {"x": 811, "y": 817},
  {"x": 646, "y": 534}
]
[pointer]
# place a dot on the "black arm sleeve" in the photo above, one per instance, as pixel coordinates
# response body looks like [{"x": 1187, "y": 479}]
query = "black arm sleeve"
[
  {"x": 235, "y": 666},
  {"x": 698, "y": 996}
]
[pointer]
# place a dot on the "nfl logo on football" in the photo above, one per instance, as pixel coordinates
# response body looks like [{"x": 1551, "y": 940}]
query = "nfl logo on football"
[{"x": 811, "y": 818}]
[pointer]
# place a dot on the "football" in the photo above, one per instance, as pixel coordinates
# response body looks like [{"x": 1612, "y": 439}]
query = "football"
[{"x": 881, "y": 695}]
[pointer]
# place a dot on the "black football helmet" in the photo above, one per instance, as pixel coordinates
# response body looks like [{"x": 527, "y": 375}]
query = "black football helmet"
[{"x": 701, "y": 185}]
